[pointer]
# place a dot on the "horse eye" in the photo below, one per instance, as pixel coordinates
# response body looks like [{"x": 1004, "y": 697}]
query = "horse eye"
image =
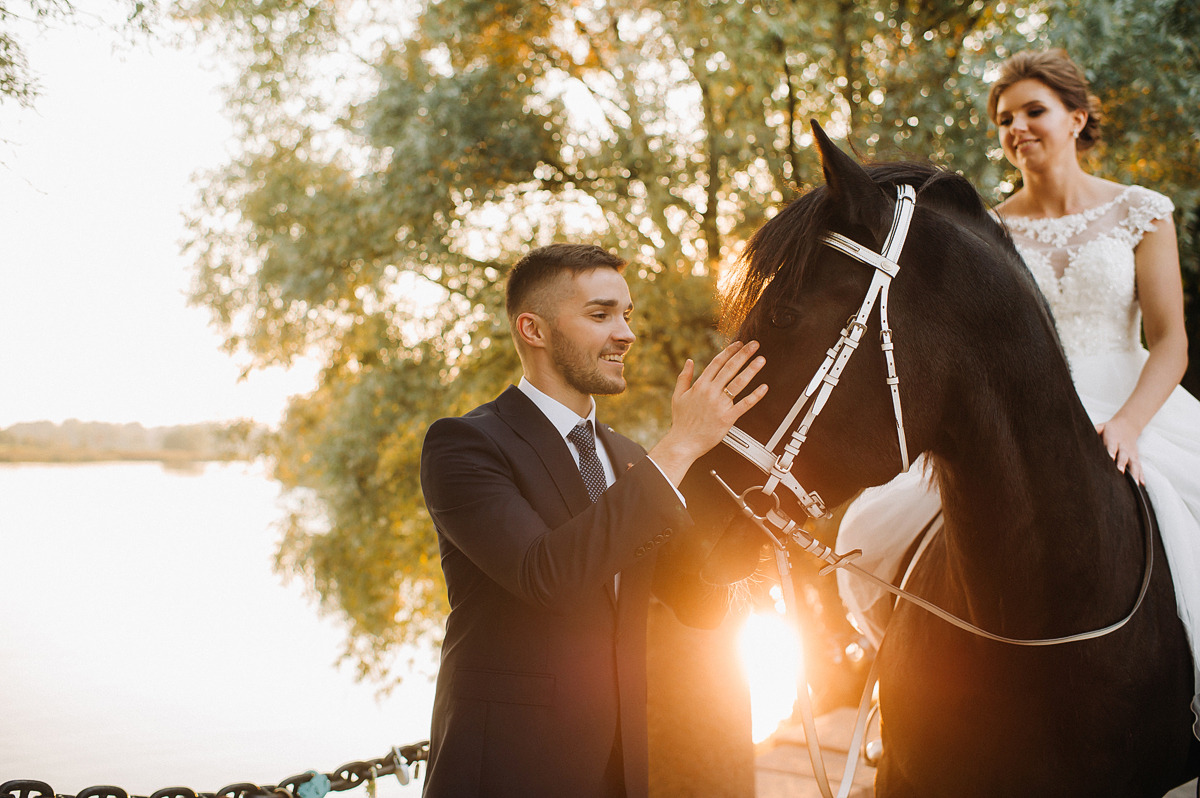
[{"x": 783, "y": 317}]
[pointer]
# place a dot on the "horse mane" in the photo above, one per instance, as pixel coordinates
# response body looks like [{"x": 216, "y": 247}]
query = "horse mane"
[{"x": 779, "y": 250}]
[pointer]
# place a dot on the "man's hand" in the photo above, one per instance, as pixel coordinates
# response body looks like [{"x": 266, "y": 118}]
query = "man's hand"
[{"x": 702, "y": 412}]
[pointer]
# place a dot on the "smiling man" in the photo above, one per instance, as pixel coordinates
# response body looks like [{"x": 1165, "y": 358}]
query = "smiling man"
[{"x": 549, "y": 526}]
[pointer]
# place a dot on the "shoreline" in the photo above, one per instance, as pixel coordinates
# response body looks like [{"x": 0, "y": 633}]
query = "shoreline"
[{"x": 16, "y": 454}]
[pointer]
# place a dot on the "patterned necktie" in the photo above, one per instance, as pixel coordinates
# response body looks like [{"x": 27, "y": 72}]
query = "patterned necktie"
[{"x": 589, "y": 463}]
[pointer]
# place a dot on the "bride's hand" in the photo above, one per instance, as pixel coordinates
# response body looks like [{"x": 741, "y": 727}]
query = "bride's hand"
[{"x": 1120, "y": 438}]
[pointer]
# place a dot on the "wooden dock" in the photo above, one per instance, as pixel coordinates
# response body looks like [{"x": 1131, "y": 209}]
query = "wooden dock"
[{"x": 782, "y": 767}]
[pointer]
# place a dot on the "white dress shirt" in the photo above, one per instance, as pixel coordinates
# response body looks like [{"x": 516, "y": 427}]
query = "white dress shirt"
[{"x": 564, "y": 420}]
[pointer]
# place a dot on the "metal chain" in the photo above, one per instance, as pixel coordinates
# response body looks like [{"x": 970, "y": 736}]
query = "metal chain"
[{"x": 305, "y": 785}]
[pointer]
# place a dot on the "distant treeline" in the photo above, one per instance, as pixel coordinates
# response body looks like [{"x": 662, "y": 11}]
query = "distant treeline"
[{"x": 82, "y": 441}]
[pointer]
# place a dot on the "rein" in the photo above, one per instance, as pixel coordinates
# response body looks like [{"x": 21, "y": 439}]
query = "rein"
[
  {"x": 780, "y": 527},
  {"x": 865, "y": 710},
  {"x": 845, "y": 561}
]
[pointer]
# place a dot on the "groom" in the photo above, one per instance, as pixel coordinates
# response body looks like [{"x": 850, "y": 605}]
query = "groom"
[{"x": 548, "y": 525}]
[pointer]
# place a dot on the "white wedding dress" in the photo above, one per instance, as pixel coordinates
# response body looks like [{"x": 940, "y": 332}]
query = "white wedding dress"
[{"x": 1084, "y": 264}]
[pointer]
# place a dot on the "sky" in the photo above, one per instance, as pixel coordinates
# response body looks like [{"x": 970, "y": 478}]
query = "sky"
[{"x": 94, "y": 182}]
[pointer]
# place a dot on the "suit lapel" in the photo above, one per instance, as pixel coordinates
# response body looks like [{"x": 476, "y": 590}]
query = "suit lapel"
[
  {"x": 523, "y": 416},
  {"x": 622, "y": 452}
]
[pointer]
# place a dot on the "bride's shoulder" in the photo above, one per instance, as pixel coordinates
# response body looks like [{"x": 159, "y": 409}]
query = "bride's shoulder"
[
  {"x": 1107, "y": 192},
  {"x": 1138, "y": 206},
  {"x": 1148, "y": 200},
  {"x": 1141, "y": 209}
]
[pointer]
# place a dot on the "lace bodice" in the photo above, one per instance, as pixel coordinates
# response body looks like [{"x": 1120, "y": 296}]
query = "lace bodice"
[{"x": 1084, "y": 264}]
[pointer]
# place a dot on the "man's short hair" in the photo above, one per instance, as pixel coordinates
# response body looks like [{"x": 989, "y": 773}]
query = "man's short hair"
[{"x": 532, "y": 281}]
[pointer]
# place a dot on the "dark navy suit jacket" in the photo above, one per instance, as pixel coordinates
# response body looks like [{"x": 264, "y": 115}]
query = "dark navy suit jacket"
[{"x": 542, "y": 684}]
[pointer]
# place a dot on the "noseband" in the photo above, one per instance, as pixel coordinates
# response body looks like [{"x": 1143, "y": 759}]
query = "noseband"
[{"x": 778, "y": 468}]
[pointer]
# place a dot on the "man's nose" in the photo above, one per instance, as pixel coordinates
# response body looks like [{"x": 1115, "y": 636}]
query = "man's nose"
[{"x": 625, "y": 332}]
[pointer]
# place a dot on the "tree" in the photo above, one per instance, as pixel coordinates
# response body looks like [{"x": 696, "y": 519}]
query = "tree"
[
  {"x": 16, "y": 80},
  {"x": 371, "y": 216},
  {"x": 1152, "y": 112}
]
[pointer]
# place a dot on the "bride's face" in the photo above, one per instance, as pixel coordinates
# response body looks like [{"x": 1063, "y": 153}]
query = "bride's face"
[{"x": 1036, "y": 129}]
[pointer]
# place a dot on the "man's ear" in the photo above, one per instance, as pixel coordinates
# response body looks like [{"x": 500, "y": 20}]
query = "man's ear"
[{"x": 531, "y": 330}]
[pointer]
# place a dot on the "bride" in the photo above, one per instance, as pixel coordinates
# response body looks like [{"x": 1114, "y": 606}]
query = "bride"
[{"x": 1106, "y": 259}]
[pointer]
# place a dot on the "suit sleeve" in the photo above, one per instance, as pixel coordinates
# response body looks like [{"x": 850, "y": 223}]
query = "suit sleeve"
[
  {"x": 479, "y": 500},
  {"x": 694, "y": 602}
]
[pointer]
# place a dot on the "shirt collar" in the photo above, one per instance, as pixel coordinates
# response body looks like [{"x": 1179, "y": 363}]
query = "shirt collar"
[{"x": 562, "y": 417}]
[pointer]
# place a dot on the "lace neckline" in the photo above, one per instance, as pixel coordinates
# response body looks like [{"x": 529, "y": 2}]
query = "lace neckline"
[
  {"x": 1090, "y": 213},
  {"x": 1057, "y": 230}
]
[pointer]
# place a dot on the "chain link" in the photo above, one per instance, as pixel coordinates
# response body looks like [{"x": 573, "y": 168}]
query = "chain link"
[{"x": 345, "y": 777}]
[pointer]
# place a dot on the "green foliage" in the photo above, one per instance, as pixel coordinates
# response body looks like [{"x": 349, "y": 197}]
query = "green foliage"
[
  {"x": 17, "y": 81},
  {"x": 354, "y": 446},
  {"x": 1143, "y": 60},
  {"x": 393, "y": 166},
  {"x": 273, "y": 42},
  {"x": 453, "y": 140},
  {"x": 1152, "y": 101}
]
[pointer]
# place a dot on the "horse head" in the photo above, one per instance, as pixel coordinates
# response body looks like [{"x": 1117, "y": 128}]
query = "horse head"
[{"x": 949, "y": 289}]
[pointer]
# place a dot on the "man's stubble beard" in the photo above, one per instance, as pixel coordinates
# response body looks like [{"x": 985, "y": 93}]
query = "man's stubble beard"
[{"x": 580, "y": 371}]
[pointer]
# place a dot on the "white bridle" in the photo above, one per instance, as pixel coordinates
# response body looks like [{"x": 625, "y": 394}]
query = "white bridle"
[{"x": 778, "y": 468}]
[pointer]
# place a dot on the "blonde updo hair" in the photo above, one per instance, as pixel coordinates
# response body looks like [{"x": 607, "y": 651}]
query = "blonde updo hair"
[{"x": 1056, "y": 70}]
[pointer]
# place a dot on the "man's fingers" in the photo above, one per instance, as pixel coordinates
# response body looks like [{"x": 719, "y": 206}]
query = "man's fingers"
[
  {"x": 734, "y": 365},
  {"x": 728, "y": 362},
  {"x": 743, "y": 378},
  {"x": 684, "y": 380},
  {"x": 727, "y": 371},
  {"x": 723, "y": 357},
  {"x": 750, "y": 399}
]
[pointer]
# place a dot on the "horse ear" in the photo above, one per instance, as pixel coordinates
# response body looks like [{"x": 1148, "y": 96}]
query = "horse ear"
[{"x": 854, "y": 193}]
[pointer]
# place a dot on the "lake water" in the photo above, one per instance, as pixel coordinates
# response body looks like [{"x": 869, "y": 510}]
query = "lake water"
[{"x": 145, "y": 641}]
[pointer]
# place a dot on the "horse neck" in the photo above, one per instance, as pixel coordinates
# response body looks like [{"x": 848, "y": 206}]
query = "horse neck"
[{"x": 1036, "y": 515}]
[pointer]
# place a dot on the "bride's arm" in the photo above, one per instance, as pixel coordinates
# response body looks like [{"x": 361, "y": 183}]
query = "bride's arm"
[{"x": 1160, "y": 293}]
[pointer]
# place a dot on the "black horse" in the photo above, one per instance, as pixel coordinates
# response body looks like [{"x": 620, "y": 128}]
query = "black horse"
[{"x": 1042, "y": 538}]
